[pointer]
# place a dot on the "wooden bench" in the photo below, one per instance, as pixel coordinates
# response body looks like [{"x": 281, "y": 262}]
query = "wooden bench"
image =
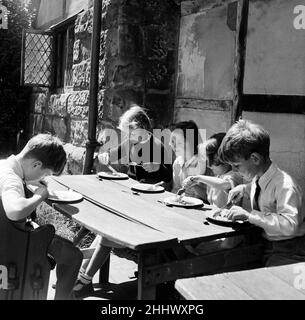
[
  {"x": 285, "y": 282},
  {"x": 25, "y": 267}
]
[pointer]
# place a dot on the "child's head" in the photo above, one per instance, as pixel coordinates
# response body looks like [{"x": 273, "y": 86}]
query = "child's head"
[
  {"x": 246, "y": 147},
  {"x": 135, "y": 123},
  {"x": 43, "y": 155},
  {"x": 211, "y": 148},
  {"x": 184, "y": 139}
]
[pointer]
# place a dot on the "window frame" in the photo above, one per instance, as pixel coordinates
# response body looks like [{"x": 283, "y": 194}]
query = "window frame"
[{"x": 62, "y": 35}]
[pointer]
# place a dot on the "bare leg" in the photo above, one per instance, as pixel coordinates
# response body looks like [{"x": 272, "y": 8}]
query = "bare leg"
[{"x": 99, "y": 257}]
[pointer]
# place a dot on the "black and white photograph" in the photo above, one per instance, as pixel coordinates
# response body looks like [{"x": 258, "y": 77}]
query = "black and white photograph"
[{"x": 152, "y": 151}]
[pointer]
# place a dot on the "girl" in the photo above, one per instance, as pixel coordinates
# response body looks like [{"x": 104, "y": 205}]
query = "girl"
[
  {"x": 224, "y": 178},
  {"x": 185, "y": 142},
  {"x": 218, "y": 187},
  {"x": 138, "y": 151}
]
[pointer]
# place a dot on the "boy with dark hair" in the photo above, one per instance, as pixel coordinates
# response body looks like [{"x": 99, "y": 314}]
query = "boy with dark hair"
[
  {"x": 42, "y": 156},
  {"x": 275, "y": 198}
]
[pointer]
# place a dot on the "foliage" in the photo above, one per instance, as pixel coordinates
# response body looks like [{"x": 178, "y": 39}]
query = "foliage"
[{"x": 14, "y": 99}]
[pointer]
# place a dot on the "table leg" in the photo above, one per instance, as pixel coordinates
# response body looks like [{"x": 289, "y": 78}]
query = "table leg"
[
  {"x": 104, "y": 271},
  {"x": 81, "y": 234},
  {"x": 146, "y": 290}
]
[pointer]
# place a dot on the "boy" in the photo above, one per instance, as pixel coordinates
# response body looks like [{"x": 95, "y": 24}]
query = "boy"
[
  {"x": 42, "y": 156},
  {"x": 275, "y": 198}
]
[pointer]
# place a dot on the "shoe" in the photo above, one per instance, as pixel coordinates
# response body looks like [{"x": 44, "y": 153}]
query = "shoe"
[{"x": 83, "y": 290}]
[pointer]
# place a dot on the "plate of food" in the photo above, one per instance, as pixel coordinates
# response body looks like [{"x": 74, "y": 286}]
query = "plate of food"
[
  {"x": 112, "y": 175},
  {"x": 220, "y": 217},
  {"x": 148, "y": 188},
  {"x": 67, "y": 196},
  {"x": 184, "y": 201}
]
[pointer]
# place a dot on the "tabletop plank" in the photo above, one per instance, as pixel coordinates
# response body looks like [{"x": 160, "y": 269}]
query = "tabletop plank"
[
  {"x": 197, "y": 214},
  {"x": 258, "y": 284},
  {"x": 289, "y": 273},
  {"x": 115, "y": 228},
  {"x": 162, "y": 219},
  {"x": 215, "y": 287},
  {"x": 263, "y": 284}
]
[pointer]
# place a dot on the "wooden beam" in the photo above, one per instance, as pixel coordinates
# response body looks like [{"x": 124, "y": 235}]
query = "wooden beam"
[
  {"x": 239, "y": 64},
  {"x": 222, "y": 261}
]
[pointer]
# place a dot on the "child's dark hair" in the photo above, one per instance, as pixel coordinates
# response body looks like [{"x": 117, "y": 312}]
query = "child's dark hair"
[
  {"x": 135, "y": 117},
  {"x": 188, "y": 127},
  {"x": 211, "y": 148},
  {"x": 49, "y": 150},
  {"x": 243, "y": 139}
]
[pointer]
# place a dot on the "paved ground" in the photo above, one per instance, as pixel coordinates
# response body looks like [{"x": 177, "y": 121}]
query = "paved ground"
[{"x": 122, "y": 284}]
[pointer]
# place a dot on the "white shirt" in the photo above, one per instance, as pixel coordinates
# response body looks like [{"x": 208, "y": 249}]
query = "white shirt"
[
  {"x": 280, "y": 203},
  {"x": 11, "y": 176},
  {"x": 182, "y": 170}
]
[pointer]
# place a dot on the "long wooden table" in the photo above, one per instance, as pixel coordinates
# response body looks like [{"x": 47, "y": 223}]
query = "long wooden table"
[{"x": 143, "y": 223}]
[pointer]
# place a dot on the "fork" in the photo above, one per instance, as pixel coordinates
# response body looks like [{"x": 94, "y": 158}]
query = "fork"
[{"x": 218, "y": 211}]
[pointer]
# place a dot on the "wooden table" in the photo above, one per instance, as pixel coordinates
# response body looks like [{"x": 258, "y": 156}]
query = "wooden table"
[
  {"x": 144, "y": 224},
  {"x": 276, "y": 283}
]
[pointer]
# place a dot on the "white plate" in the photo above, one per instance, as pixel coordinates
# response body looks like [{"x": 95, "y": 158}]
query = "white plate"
[
  {"x": 147, "y": 188},
  {"x": 111, "y": 175},
  {"x": 65, "y": 196},
  {"x": 220, "y": 217},
  {"x": 186, "y": 202},
  {"x": 60, "y": 195}
]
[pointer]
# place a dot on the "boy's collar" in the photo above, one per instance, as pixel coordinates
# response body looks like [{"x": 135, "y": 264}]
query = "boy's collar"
[{"x": 267, "y": 176}]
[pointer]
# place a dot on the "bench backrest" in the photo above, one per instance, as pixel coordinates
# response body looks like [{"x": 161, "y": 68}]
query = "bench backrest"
[{"x": 24, "y": 255}]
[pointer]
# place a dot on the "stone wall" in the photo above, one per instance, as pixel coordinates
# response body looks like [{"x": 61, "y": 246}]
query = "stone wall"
[{"x": 137, "y": 65}]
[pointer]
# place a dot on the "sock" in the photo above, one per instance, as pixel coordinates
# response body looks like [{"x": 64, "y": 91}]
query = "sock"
[
  {"x": 82, "y": 271},
  {"x": 83, "y": 279}
]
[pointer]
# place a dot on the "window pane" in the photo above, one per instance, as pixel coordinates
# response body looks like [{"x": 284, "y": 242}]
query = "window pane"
[{"x": 38, "y": 59}]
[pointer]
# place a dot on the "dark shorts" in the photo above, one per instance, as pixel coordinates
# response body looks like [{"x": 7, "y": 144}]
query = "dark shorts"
[{"x": 284, "y": 251}]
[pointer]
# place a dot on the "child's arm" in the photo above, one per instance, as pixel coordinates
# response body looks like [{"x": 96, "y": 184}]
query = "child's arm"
[
  {"x": 286, "y": 219},
  {"x": 214, "y": 182},
  {"x": 283, "y": 222},
  {"x": 18, "y": 207}
]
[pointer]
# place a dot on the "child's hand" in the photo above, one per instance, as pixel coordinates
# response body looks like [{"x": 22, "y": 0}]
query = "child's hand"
[
  {"x": 42, "y": 190},
  {"x": 190, "y": 181},
  {"x": 236, "y": 194},
  {"x": 104, "y": 158},
  {"x": 151, "y": 166},
  {"x": 238, "y": 213}
]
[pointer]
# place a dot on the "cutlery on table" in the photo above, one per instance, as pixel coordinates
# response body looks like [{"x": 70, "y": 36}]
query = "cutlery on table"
[
  {"x": 154, "y": 186},
  {"x": 111, "y": 169},
  {"x": 226, "y": 206},
  {"x": 179, "y": 194}
]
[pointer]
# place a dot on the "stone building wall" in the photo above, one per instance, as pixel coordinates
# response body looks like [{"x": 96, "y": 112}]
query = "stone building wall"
[{"x": 137, "y": 65}]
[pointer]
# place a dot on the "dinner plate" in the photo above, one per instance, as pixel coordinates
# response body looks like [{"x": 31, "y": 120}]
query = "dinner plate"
[
  {"x": 186, "y": 202},
  {"x": 220, "y": 218},
  {"x": 67, "y": 196},
  {"x": 112, "y": 175},
  {"x": 147, "y": 188}
]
